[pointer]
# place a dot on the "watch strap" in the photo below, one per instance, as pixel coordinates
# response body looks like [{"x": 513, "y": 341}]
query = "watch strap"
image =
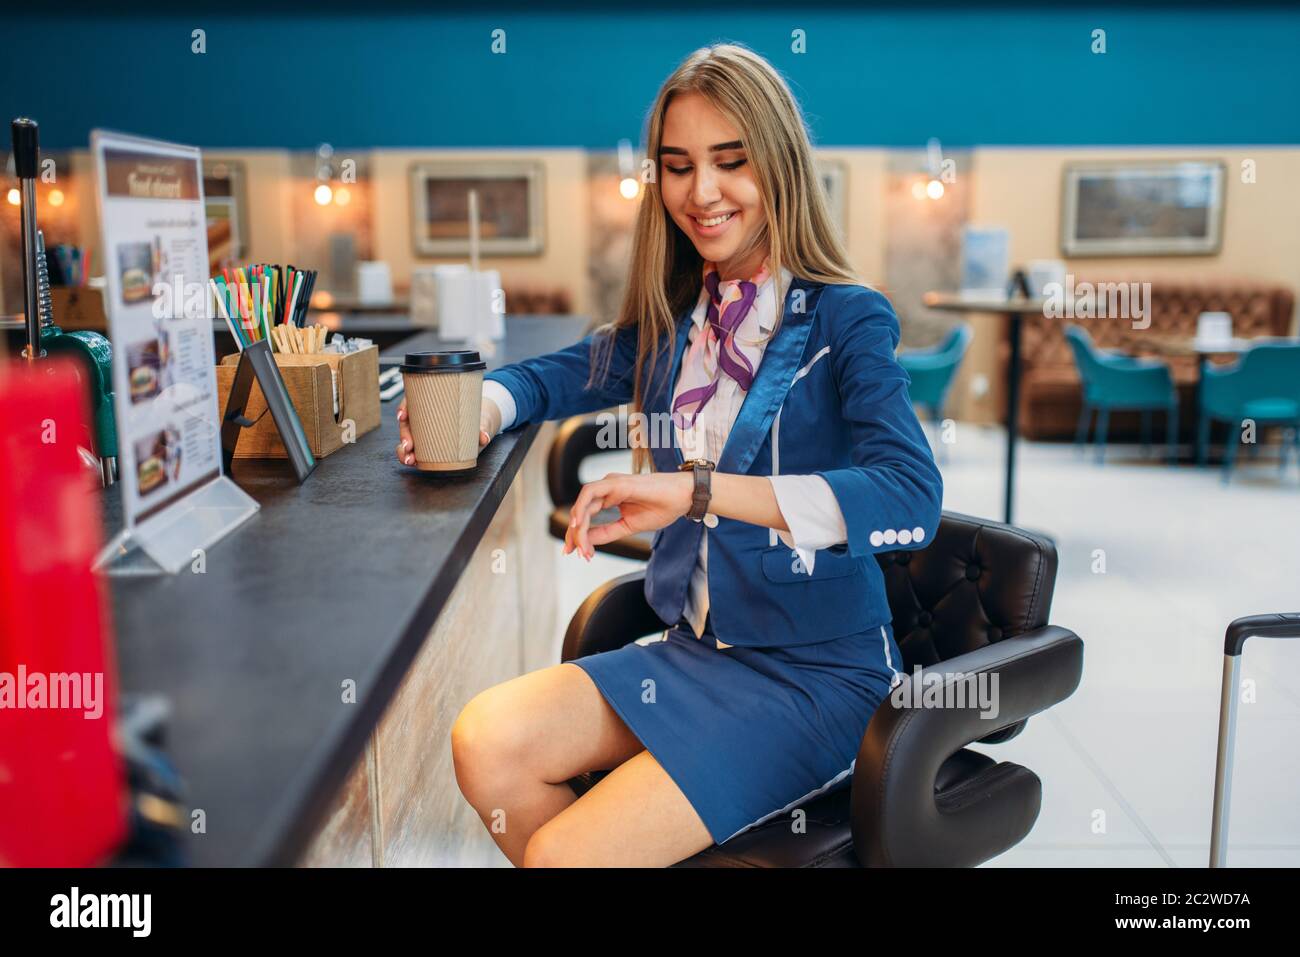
[{"x": 702, "y": 492}]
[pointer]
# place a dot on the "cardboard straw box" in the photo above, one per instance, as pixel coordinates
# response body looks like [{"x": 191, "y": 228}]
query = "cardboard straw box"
[{"x": 311, "y": 381}]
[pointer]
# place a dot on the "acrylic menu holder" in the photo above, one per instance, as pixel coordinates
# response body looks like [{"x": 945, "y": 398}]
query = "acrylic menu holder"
[
  {"x": 150, "y": 194},
  {"x": 256, "y": 362},
  {"x": 169, "y": 541}
]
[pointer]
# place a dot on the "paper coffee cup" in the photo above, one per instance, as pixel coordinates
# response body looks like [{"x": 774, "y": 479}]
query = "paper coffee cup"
[{"x": 444, "y": 398}]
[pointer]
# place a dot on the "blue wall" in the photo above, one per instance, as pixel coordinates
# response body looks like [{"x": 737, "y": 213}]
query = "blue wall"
[{"x": 584, "y": 78}]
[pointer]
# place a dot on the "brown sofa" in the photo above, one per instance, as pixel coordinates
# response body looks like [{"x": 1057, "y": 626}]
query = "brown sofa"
[{"x": 1050, "y": 390}]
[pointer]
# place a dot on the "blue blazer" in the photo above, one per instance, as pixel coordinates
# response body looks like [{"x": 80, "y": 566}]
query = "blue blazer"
[{"x": 830, "y": 399}]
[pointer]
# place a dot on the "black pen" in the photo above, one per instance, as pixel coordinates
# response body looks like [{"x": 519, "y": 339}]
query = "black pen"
[{"x": 309, "y": 282}]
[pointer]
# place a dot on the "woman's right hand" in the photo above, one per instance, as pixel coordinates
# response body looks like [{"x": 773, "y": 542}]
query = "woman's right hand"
[{"x": 489, "y": 425}]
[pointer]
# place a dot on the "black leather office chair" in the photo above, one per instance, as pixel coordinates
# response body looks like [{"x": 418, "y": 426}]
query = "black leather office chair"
[
  {"x": 975, "y": 601},
  {"x": 574, "y": 441}
]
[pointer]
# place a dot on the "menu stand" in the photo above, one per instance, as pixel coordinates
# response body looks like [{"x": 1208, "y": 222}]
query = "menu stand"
[
  {"x": 167, "y": 542},
  {"x": 164, "y": 229}
]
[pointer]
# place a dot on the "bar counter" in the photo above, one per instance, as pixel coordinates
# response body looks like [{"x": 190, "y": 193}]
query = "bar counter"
[{"x": 408, "y": 586}]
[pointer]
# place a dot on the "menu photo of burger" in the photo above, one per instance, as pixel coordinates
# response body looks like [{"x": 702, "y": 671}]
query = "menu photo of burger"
[
  {"x": 151, "y": 463},
  {"x": 135, "y": 262},
  {"x": 144, "y": 365}
]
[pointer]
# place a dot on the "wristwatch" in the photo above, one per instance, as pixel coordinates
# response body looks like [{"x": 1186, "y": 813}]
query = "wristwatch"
[{"x": 703, "y": 470}]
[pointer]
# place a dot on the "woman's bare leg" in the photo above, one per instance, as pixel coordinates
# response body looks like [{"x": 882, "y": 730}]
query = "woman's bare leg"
[
  {"x": 516, "y": 744},
  {"x": 636, "y": 816}
]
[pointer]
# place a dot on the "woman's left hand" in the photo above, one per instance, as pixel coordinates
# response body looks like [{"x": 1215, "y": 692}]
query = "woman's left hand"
[{"x": 645, "y": 502}]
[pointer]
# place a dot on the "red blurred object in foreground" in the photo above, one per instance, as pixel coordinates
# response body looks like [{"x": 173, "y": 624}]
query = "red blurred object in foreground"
[{"x": 62, "y": 789}]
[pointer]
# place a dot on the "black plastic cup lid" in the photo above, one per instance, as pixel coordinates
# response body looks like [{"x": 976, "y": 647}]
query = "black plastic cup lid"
[{"x": 455, "y": 360}]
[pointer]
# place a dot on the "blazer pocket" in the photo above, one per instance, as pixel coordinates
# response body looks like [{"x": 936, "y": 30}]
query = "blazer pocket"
[{"x": 782, "y": 565}]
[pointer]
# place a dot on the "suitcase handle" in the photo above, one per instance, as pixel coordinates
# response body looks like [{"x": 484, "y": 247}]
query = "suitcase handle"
[
  {"x": 1277, "y": 625},
  {"x": 1280, "y": 625}
]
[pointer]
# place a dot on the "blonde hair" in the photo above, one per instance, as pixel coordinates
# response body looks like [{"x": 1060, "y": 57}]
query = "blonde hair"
[{"x": 665, "y": 273}]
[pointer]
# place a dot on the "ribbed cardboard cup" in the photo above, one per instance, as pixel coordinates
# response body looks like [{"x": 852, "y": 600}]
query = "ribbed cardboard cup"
[{"x": 444, "y": 398}]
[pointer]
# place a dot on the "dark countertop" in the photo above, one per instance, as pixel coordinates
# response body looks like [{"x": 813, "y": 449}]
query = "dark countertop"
[
  {"x": 385, "y": 327},
  {"x": 350, "y": 322},
  {"x": 339, "y": 578}
]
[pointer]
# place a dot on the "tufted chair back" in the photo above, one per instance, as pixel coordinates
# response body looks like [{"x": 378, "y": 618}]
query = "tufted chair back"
[{"x": 976, "y": 583}]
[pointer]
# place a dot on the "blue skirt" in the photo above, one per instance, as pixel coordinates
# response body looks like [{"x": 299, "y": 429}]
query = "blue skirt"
[{"x": 748, "y": 733}]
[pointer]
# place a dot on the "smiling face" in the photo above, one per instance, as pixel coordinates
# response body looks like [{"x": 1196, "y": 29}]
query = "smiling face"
[{"x": 708, "y": 185}]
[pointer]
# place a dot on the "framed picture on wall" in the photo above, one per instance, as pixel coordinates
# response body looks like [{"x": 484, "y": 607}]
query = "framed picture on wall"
[
  {"x": 1166, "y": 208},
  {"x": 225, "y": 202},
  {"x": 509, "y": 207},
  {"x": 834, "y": 176}
]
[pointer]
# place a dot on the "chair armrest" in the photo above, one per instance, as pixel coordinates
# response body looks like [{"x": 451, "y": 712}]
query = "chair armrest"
[
  {"x": 614, "y": 614},
  {"x": 898, "y": 819}
]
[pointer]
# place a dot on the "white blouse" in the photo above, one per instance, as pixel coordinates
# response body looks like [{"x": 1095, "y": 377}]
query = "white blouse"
[{"x": 806, "y": 502}]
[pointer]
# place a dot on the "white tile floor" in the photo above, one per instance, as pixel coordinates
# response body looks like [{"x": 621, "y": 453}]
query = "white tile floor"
[{"x": 1127, "y": 762}]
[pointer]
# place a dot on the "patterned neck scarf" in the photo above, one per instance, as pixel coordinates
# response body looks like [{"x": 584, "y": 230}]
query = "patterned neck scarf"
[{"x": 715, "y": 350}]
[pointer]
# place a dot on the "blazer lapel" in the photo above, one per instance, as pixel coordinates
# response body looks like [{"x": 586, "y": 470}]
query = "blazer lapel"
[{"x": 772, "y": 381}]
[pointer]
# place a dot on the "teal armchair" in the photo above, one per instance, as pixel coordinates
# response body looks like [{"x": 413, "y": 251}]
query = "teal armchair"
[
  {"x": 1263, "y": 386},
  {"x": 932, "y": 372},
  {"x": 1116, "y": 382}
]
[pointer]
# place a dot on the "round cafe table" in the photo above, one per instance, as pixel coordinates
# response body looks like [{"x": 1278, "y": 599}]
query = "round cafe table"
[{"x": 1015, "y": 308}]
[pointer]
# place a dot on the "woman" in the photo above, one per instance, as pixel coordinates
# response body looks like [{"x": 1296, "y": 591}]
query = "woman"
[{"x": 784, "y": 381}]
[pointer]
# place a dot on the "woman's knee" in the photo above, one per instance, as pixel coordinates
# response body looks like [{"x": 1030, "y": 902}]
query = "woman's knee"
[
  {"x": 549, "y": 846},
  {"x": 487, "y": 738}
]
